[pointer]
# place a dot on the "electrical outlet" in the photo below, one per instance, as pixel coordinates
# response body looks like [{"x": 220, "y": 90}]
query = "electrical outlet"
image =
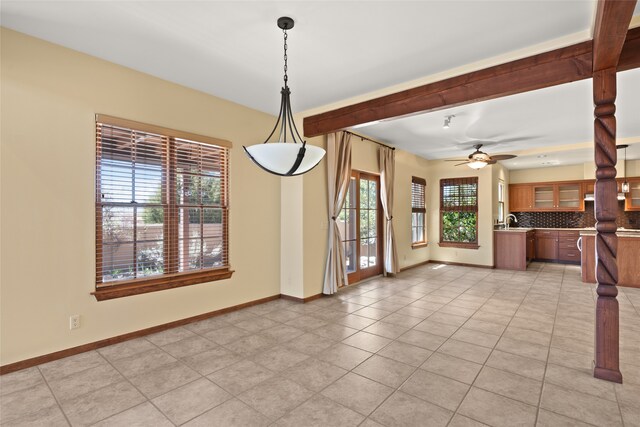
[{"x": 74, "y": 321}]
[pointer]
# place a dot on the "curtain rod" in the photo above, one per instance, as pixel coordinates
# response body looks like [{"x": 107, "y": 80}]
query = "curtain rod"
[{"x": 362, "y": 137}]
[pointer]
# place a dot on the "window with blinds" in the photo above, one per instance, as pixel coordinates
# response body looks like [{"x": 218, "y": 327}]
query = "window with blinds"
[
  {"x": 418, "y": 211},
  {"x": 161, "y": 208},
  {"x": 459, "y": 212}
]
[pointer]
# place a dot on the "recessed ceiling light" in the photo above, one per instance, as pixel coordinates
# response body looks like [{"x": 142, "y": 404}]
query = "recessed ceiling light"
[{"x": 542, "y": 156}]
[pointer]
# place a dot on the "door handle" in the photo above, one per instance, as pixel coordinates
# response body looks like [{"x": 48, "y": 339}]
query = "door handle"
[{"x": 579, "y": 243}]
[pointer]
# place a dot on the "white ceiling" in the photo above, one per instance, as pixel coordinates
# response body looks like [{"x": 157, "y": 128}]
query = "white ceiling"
[
  {"x": 342, "y": 49},
  {"x": 546, "y": 118},
  {"x": 338, "y": 49}
]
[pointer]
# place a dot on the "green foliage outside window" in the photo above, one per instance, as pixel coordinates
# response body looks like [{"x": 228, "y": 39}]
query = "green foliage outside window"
[
  {"x": 458, "y": 210},
  {"x": 459, "y": 227}
]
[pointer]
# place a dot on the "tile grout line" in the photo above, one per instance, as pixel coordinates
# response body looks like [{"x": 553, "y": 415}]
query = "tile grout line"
[
  {"x": 139, "y": 391},
  {"x": 64, "y": 414},
  {"x": 434, "y": 351},
  {"x": 442, "y": 281},
  {"x": 544, "y": 375},
  {"x": 492, "y": 350}
]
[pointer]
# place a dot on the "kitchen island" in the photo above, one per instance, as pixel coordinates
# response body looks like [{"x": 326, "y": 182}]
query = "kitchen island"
[
  {"x": 513, "y": 248},
  {"x": 628, "y": 257}
]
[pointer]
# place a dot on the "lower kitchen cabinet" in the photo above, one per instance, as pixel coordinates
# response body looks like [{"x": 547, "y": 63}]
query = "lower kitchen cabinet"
[
  {"x": 568, "y": 246},
  {"x": 512, "y": 250},
  {"x": 555, "y": 245},
  {"x": 627, "y": 259},
  {"x": 546, "y": 245},
  {"x": 531, "y": 245}
]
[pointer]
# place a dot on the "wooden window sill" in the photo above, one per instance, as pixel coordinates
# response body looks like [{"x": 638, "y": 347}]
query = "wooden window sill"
[
  {"x": 143, "y": 286},
  {"x": 419, "y": 245},
  {"x": 459, "y": 245}
]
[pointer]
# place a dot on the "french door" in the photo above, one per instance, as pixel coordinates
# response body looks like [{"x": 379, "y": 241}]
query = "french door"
[{"x": 361, "y": 227}]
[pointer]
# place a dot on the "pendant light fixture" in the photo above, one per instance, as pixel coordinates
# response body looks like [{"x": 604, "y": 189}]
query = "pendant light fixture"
[
  {"x": 285, "y": 157},
  {"x": 625, "y": 183}
]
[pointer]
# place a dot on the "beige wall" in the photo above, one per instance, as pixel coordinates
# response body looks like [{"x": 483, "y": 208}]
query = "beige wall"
[
  {"x": 482, "y": 256},
  {"x": 553, "y": 173},
  {"x": 498, "y": 173},
  {"x": 569, "y": 172},
  {"x": 49, "y": 97}
]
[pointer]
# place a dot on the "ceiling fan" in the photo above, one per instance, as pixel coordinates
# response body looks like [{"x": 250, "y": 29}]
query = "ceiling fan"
[{"x": 479, "y": 159}]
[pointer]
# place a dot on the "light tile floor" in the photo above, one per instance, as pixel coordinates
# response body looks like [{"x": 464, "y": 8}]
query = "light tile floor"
[{"x": 436, "y": 346}]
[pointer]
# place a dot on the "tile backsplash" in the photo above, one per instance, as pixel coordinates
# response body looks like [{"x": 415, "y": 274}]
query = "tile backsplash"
[{"x": 575, "y": 219}]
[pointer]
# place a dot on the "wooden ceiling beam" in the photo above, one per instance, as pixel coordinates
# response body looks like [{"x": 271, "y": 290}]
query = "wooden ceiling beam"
[
  {"x": 610, "y": 31},
  {"x": 630, "y": 55},
  {"x": 547, "y": 69}
]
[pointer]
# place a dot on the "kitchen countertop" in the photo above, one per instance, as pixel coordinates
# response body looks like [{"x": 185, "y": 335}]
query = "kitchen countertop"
[
  {"x": 514, "y": 230},
  {"x": 523, "y": 229},
  {"x": 619, "y": 233},
  {"x": 587, "y": 231}
]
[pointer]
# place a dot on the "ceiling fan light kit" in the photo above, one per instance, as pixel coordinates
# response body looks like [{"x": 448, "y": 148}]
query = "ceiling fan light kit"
[
  {"x": 477, "y": 164},
  {"x": 285, "y": 158},
  {"x": 479, "y": 159}
]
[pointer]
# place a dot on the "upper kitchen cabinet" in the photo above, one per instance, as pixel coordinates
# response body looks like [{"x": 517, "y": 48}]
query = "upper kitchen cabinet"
[
  {"x": 632, "y": 200},
  {"x": 570, "y": 197},
  {"x": 590, "y": 185},
  {"x": 520, "y": 198},
  {"x": 546, "y": 197},
  {"x": 558, "y": 196}
]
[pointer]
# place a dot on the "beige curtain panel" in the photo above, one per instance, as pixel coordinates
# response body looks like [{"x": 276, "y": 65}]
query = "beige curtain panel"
[
  {"x": 338, "y": 176},
  {"x": 387, "y": 163}
]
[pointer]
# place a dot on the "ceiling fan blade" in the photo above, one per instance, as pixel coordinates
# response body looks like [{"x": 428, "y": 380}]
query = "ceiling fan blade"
[
  {"x": 460, "y": 164},
  {"x": 503, "y": 157}
]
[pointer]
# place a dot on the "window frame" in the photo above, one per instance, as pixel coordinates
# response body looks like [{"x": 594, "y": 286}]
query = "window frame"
[
  {"x": 417, "y": 181},
  {"x": 172, "y": 279},
  {"x": 463, "y": 208},
  {"x": 501, "y": 212}
]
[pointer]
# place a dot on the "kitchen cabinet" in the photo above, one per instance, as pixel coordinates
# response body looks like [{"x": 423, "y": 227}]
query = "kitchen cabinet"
[
  {"x": 568, "y": 246},
  {"x": 570, "y": 197},
  {"x": 558, "y": 197},
  {"x": 627, "y": 259},
  {"x": 547, "y": 197},
  {"x": 520, "y": 198},
  {"x": 632, "y": 200},
  {"x": 557, "y": 245},
  {"x": 531, "y": 246},
  {"x": 511, "y": 249},
  {"x": 546, "y": 245},
  {"x": 544, "y": 197},
  {"x": 590, "y": 186}
]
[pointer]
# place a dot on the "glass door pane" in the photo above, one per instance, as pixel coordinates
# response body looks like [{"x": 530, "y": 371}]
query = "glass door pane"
[
  {"x": 359, "y": 223},
  {"x": 569, "y": 196},
  {"x": 543, "y": 197},
  {"x": 634, "y": 194},
  {"x": 368, "y": 223},
  {"x": 347, "y": 223}
]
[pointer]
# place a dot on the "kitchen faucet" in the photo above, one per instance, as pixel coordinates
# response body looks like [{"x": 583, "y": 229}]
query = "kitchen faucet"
[{"x": 506, "y": 220}]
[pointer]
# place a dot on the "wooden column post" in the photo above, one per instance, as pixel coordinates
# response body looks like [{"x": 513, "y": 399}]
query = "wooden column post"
[
  {"x": 607, "y": 365},
  {"x": 610, "y": 30}
]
